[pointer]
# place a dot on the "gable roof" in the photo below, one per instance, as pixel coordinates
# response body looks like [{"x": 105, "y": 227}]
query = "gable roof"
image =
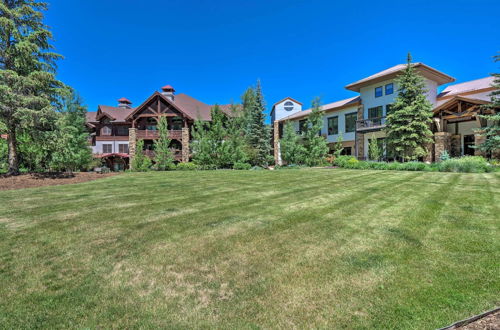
[
  {"x": 287, "y": 98},
  {"x": 425, "y": 70},
  {"x": 118, "y": 114},
  {"x": 337, "y": 105}
]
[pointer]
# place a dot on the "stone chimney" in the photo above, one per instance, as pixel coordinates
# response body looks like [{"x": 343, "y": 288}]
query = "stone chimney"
[
  {"x": 168, "y": 91},
  {"x": 124, "y": 103}
]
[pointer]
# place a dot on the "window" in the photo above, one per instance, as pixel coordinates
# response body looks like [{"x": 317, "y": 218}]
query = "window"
[
  {"x": 302, "y": 125},
  {"x": 288, "y": 106},
  {"x": 107, "y": 148},
  {"x": 123, "y": 148},
  {"x": 333, "y": 125},
  {"x": 106, "y": 130},
  {"x": 350, "y": 122},
  {"x": 177, "y": 123},
  {"x": 378, "y": 91},
  {"x": 375, "y": 112},
  {"x": 347, "y": 151},
  {"x": 151, "y": 124},
  {"x": 122, "y": 130},
  {"x": 389, "y": 89}
]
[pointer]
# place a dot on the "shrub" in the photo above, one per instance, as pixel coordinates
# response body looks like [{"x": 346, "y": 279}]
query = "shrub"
[
  {"x": 414, "y": 166},
  {"x": 444, "y": 156},
  {"x": 186, "y": 167},
  {"x": 241, "y": 166},
  {"x": 466, "y": 164},
  {"x": 206, "y": 167},
  {"x": 341, "y": 161}
]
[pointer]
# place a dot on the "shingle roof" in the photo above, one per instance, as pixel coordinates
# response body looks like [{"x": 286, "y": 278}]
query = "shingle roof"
[
  {"x": 119, "y": 114},
  {"x": 427, "y": 71},
  {"x": 468, "y": 86},
  {"x": 327, "y": 107}
]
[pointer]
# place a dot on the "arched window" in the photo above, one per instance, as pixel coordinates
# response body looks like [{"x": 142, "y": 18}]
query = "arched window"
[{"x": 288, "y": 106}]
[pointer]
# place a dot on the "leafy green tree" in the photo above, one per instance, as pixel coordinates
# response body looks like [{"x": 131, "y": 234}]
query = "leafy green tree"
[
  {"x": 292, "y": 150},
  {"x": 337, "y": 146},
  {"x": 408, "y": 124},
  {"x": 140, "y": 162},
  {"x": 374, "y": 149},
  {"x": 315, "y": 145},
  {"x": 164, "y": 158},
  {"x": 492, "y": 131},
  {"x": 28, "y": 87},
  {"x": 71, "y": 150},
  {"x": 258, "y": 133}
]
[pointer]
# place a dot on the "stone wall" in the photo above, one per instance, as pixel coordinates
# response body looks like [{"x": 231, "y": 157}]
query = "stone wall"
[
  {"x": 456, "y": 146},
  {"x": 185, "y": 145},
  {"x": 360, "y": 138}
]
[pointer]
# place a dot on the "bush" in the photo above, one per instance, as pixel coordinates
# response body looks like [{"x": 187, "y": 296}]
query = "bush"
[
  {"x": 206, "y": 167},
  {"x": 466, "y": 164},
  {"x": 186, "y": 167},
  {"x": 256, "y": 168},
  {"x": 414, "y": 166},
  {"x": 241, "y": 166},
  {"x": 342, "y": 161}
]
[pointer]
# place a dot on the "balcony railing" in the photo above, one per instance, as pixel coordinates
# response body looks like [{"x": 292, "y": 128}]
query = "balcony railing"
[
  {"x": 370, "y": 124},
  {"x": 153, "y": 134}
]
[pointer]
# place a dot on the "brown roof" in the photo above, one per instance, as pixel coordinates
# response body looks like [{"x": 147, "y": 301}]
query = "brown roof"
[
  {"x": 287, "y": 98},
  {"x": 338, "y": 105},
  {"x": 425, "y": 70},
  {"x": 118, "y": 114}
]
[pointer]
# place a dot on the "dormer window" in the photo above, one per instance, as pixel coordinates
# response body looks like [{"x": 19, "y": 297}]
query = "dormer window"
[
  {"x": 378, "y": 91},
  {"x": 288, "y": 106}
]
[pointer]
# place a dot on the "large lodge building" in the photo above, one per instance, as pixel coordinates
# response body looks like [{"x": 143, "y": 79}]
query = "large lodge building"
[{"x": 116, "y": 129}]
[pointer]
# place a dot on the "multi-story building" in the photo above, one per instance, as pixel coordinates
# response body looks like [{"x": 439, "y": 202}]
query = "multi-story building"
[
  {"x": 116, "y": 129},
  {"x": 362, "y": 118}
]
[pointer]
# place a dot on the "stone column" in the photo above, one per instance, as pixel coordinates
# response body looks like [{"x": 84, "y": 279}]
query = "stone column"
[
  {"x": 185, "y": 144},
  {"x": 430, "y": 153},
  {"x": 456, "y": 145},
  {"x": 276, "y": 143},
  {"x": 360, "y": 138},
  {"x": 442, "y": 143},
  {"x": 478, "y": 140},
  {"x": 132, "y": 142}
]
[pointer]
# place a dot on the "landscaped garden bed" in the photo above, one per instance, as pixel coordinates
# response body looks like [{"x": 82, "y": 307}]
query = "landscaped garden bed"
[{"x": 49, "y": 179}]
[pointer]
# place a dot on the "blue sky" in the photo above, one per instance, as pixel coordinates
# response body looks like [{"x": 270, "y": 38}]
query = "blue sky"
[{"x": 213, "y": 50}]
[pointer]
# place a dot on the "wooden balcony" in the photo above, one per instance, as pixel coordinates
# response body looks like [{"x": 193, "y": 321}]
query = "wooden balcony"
[
  {"x": 153, "y": 134},
  {"x": 371, "y": 124}
]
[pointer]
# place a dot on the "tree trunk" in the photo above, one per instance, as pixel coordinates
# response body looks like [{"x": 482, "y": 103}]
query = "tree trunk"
[{"x": 13, "y": 160}]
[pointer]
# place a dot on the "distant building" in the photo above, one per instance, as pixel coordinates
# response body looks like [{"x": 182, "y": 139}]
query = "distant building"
[{"x": 362, "y": 118}]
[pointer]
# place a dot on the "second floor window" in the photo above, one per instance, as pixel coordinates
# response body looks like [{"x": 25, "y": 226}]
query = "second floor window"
[
  {"x": 106, "y": 130},
  {"x": 389, "y": 89},
  {"x": 350, "y": 122},
  {"x": 288, "y": 106},
  {"x": 378, "y": 91},
  {"x": 122, "y": 130},
  {"x": 107, "y": 148},
  {"x": 333, "y": 125},
  {"x": 375, "y": 112}
]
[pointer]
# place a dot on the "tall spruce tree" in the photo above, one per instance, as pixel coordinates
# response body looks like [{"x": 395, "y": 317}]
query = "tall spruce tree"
[
  {"x": 27, "y": 71},
  {"x": 292, "y": 149},
  {"x": 71, "y": 149},
  {"x": 315, "y": 145},
  {"x": 408, "y": 124},
  {"x": 492, "y": 131},
  {"x": 164, "y": 158},
  {"x": 235, "y": 136},
  {"x": 258, "y": 133}
]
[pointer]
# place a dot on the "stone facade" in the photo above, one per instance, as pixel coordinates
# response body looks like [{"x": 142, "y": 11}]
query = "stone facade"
[
  {"x": 276, "y": 143},
  {"x": 360, "y": 138},
  {"x": 132, "y": 142},
  {"x": 442, "y": 143},
  {"x": 429, "y": 158},
  {"x": 185, "y": 145}
]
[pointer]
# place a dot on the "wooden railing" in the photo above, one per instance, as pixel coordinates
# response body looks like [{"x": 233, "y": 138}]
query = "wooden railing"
[
  {"x": 370, "y": 123},
  {"x": 153, "y": 134}
]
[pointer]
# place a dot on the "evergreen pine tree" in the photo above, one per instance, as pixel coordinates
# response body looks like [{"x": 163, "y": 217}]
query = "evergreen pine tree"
[
  {"x": 71, "y": 138},
  {"x": 258, "y": 134},
  {"x": 292, "y": 150},
  {"x": 140, "y": 162},
  {"x": 374, "y": 149},
  {"x": 164, "y": 158},
  {"x": 492, "y": 131},
  {"x": 408, "y": 123},
  {"x": 27, "y": 66},
  {"x": 315, "y": 145},
  {"x": 235, "y": 136}
]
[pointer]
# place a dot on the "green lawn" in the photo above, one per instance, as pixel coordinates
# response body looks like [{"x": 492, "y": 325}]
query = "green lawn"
[{"x": 250, "y": 249}]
